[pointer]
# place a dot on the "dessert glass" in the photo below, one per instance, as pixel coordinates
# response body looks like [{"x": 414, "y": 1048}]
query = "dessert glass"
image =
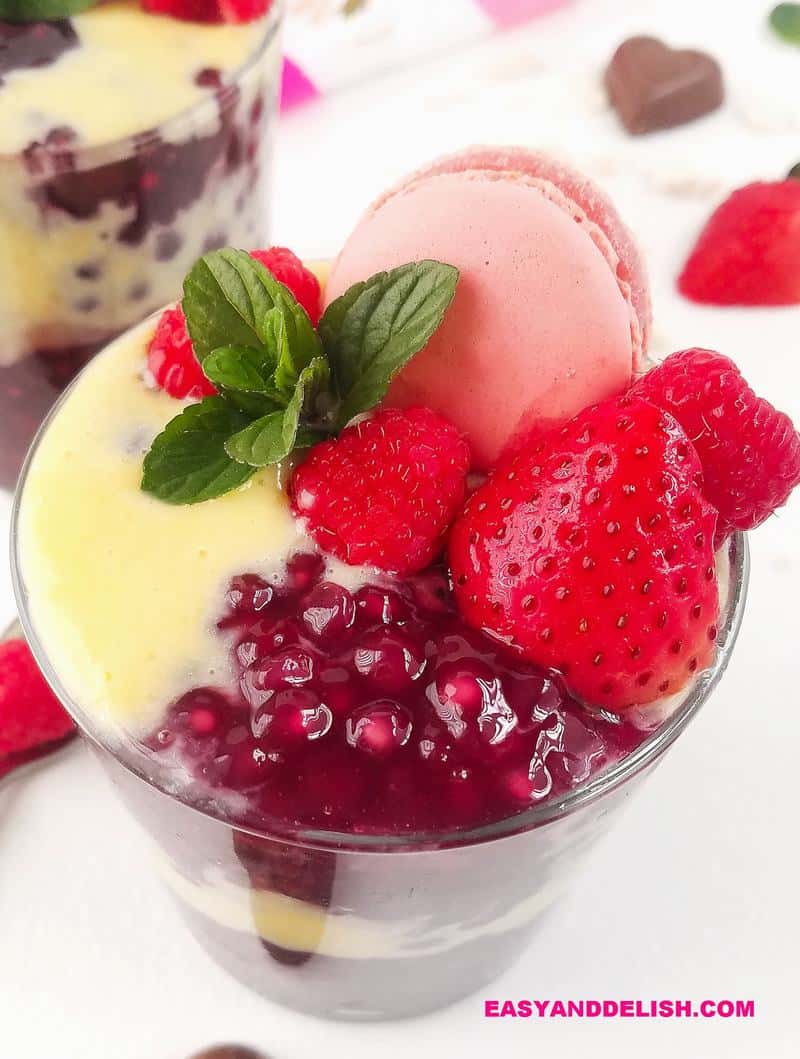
[
  {"x": 94, "y": 238},
  {"x": 370, "y": 926}
]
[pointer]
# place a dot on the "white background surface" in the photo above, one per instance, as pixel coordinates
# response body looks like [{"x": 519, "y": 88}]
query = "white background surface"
[{"x": 695, "y": 893}]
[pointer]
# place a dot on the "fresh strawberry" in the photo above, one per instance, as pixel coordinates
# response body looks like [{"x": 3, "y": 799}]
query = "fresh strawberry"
[
  {"x": 749, "y": 451},
  {"x": 209, "y": 10},
  {"x": 749, "y": 251},
  {"x": 386, "y": 490},
  {"x": 288, "y": 269},
  {"x": 32, "y": 721},
  {"x": 591, "y": 552},
  {"x": 172, "y": 361}
]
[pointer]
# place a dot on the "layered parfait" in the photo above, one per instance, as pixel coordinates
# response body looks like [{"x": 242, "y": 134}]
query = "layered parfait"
[
  {"x": 132, "y": 140},
  {"x": 379, "y": 587}
]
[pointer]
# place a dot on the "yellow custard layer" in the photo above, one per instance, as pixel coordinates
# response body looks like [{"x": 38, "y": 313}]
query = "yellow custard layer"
[
  {"x": 124, "y": 589},
  {"x": 130, "y": 72}
]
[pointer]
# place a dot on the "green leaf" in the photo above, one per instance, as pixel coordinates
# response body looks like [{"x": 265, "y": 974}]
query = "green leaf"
[
  {"x": 376, "y": 327},
  {"x": 240, "y": 368},
  {"x": 231, "y": 300},
  {"x": 785, "y": 20},
  {"x": 262, "y": 442},
  {"x": 272, "y": 437},
  {"x": 41, "y": 10},
  {"x": 187, "y": 463}
]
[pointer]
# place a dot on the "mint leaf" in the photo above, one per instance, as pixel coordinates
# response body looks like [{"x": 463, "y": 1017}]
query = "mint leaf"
[
  {"x": 785, "y": 20},
  {"x": 272, "y": 437},
  {"x": 41, "y": 10},
  {"x": 242, "y": 368},
  {"x": 266, "y": 440},
  {"x": 231, "y": 300},
  {"x": 187, "y": 463},
  {"x": 377, "y": 326}
]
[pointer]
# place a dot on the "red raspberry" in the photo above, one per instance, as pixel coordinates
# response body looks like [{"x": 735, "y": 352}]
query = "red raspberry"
[
  {"x": 172, "y": 361},
  {"x": 288, "y": 269},
  {"x": 591, "y": 553},
  {"x": 209, "y": 10},
  {"x": 750, "y": 452},
  {"x": 386, "y": 490},
  {"x": 32, "y": 721},
  {"x": 749, "y": 251}
]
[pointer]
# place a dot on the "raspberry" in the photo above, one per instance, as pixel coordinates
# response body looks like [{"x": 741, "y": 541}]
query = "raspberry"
[
  {"x": 289, "y": 270},
  {"x": 386, "y": 490},
  {"x": 172, "y": 361},
  {"x": 749, "y": 251},
  {"x": 209, "y": 10},
  {"x": 591, "y": 553},
  {"x": 749, "y": 451},
  {"x": 32, "y": 721}
]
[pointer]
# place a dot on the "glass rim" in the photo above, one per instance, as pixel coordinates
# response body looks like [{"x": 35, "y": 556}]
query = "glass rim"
[
  {"x": 91, "y": 156},
  {"x": 598, "y": 786}
]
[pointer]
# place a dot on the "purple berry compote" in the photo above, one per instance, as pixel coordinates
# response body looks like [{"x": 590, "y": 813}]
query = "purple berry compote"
[
  {"x": 130, "y": 144},
  {"x": 376, "y": 711}
]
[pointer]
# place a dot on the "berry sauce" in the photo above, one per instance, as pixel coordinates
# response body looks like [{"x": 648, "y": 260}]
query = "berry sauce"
[{"x": 377, "y": 711}]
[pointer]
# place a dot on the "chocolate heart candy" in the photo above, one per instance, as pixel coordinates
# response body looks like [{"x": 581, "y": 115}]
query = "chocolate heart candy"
[
  {"x": 229, "y": 1051},
  {"x": 652, "y": 86}
]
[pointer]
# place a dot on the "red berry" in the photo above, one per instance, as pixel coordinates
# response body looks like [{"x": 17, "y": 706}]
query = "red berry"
[
  {"x": 209, "y": 10},
  {"x": 32, "y": 721},
  {"x": 750, "y": 452},
  {"x": 386, "y": 490},
  {"x": 591, "y": 553},
  {"x": 749, "y": 251},
  {"x": 172, "y": 361},
  {"x": 289, "y": 270}
]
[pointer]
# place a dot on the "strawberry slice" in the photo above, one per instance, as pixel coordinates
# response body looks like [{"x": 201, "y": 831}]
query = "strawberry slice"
[
  {"x": 749, "y": 251},
  {"x": 209, "y": 10},
  {"x": 591, "y": 552},
  {"x": 32, "y": 720}
]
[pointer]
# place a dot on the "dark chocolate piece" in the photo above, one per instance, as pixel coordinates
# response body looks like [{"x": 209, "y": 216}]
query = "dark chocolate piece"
[
  {"x": 229, "y": 1051},
  {"x": 653, "y": 86}
]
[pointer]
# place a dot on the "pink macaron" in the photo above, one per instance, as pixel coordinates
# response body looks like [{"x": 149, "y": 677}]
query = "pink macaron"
[{"x": 552, "y": 309}]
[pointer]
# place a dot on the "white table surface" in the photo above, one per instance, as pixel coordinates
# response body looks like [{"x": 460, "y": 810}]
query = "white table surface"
[{"x": 695, "y": 893}]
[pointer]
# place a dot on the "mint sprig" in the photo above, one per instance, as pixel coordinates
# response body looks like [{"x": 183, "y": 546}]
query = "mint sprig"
[
  {"x": 42, "y": 10},
  {"x": 376, "y": 327},
  {"x": 282, "y": 385},
  {"x": 785, "y": 21}
]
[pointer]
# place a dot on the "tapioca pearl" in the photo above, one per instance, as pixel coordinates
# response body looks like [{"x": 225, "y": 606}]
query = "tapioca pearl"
[
  {"x": 431, "y": 591},
  {"x": 167, "y": 245},
  {"x": 375, "y": 604},
  {"x": 390, "y": 658},
  {"x": 199, "y": 712},
  {"x": 303, "y": 571},
  {"x": 379, "y": 728},
  {"x": 523, "y": 786},
  {"x": 248, "y": 594},
  {"x": 86, "y": 305},
  {"x": 208, "y": 77},
  {"x": 138, "y": 291},
  {"x": 249, "y": 765},
  {"x": 264, "y": 638},
  {"x": 89, "y": 270},
  {"x": 328, "y": 612},
  {"x": 292, "y": 667},
  {"x": 468, "y": 697},
  {"x": 292, "y": 718}
]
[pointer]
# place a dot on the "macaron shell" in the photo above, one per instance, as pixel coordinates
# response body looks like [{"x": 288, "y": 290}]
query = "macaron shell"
[
  {"x": 539, "y": 327},
  {"x": 587, "y": 197}
]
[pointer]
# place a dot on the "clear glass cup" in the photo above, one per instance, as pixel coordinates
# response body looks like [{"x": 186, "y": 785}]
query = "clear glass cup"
[
  {"x": 372, "y": 927},
  {"x": 93, "y": 239}
]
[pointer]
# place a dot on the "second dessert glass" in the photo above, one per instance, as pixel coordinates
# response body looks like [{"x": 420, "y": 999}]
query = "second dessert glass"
[{"x": 96, "y": 237}]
